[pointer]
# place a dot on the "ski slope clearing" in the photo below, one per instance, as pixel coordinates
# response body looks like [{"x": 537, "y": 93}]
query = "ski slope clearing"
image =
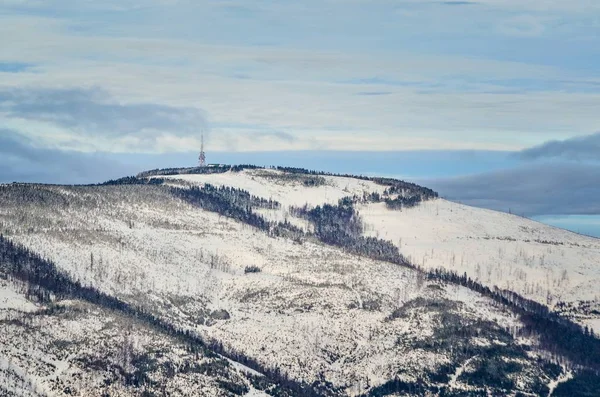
[
  {"x": 541, "y": 262},
  {"x": 312, "y": 311}
]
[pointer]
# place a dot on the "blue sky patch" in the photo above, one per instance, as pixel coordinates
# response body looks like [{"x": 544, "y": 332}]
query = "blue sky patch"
[{"x": 14, "y": 67}]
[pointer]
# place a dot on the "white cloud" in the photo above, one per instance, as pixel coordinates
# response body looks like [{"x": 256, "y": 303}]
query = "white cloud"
[
  {"x": 524, "y": 26},
  {"x": 576, "y": 6},
  {"x": 434, "y": 101},
  {"x": 448, "y": 119}
]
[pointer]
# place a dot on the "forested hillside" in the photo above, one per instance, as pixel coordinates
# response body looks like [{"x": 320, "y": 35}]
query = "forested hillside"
[{"x": 278, "y": 278}]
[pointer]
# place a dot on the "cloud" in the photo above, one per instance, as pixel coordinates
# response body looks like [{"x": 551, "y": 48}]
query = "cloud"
[
  {"x": 284, "y": 136},
  {"x": 540, "y": 188},
  {"x": 253, "y": 138},
  {"x": 579, "y": 148},
  {"x": 93, "y": 113},
  {"x": 573, "y": 6},
  {"x": 457, "y": 3},
  {"x": 20, "y": 161},
  {"x": 374, "y": 93},
  {"x": 298, "y": 66},
  {"x": 530, "y": 189},
  {"x": 525, "y": 26}
]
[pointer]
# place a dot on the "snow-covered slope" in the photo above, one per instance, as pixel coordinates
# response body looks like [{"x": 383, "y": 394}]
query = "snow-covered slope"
[
  {"x": 74, "y": 348},
  {"x": 541, "y": 262},
  {"x": 312, "y": 311},
  {"x": 275, "y": 184}
]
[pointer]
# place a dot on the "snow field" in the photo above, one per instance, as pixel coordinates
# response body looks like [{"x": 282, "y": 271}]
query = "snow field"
[
  {"x": 537, "y": 261},
  {"x": 311, "y": 310}
]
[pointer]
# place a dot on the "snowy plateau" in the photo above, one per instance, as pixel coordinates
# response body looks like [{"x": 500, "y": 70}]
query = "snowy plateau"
[{"x": 227, "y": 281}]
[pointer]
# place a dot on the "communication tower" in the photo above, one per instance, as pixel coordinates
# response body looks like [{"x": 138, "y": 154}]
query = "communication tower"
[{"x": 202, "y": 157}]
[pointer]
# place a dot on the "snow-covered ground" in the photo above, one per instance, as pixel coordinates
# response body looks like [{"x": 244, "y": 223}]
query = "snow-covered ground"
[
  {"x": 309, "y": 307},
  {"x": 11, "y": 299},
  {"x": 82, "y": 350},
  {"x": 311, "y": 311},
  {"x": 267, "y": 183},
  {"x": 538, "y": 261}
]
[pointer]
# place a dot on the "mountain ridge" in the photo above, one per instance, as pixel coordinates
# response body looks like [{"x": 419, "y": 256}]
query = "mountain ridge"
[{"x": 119, "y": 206}]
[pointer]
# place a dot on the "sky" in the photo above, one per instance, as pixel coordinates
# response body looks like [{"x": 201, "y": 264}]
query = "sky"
[{"x": 493, "y": 103}]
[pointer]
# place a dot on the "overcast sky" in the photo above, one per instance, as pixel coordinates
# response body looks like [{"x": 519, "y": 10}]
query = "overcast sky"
[
  {"x": 135, "y": 75},
  {"x": 90, "y": 89}
]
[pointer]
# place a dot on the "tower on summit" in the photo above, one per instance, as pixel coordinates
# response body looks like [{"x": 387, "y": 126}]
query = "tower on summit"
[{"x": 202, "y": 157}]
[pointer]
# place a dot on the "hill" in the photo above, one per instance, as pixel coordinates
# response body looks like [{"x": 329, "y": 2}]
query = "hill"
[
  {"x": 552, "y": 266},
  {"x": 284, "y": 274}
]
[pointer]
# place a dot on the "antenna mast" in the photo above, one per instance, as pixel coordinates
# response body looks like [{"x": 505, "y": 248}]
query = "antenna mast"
[{"x": 202, "y": 157}]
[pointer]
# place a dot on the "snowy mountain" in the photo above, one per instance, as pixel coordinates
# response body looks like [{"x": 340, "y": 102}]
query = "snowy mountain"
[
  {"x": 251, "y": 281},
  {"x": 544, "y": 263}
]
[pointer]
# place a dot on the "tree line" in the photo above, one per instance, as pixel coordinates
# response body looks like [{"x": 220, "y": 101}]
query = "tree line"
[
  {"x": 395, "y": 186},
  {"x": 210, "y": 169},
  {"x": 340, "y": 225}
]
